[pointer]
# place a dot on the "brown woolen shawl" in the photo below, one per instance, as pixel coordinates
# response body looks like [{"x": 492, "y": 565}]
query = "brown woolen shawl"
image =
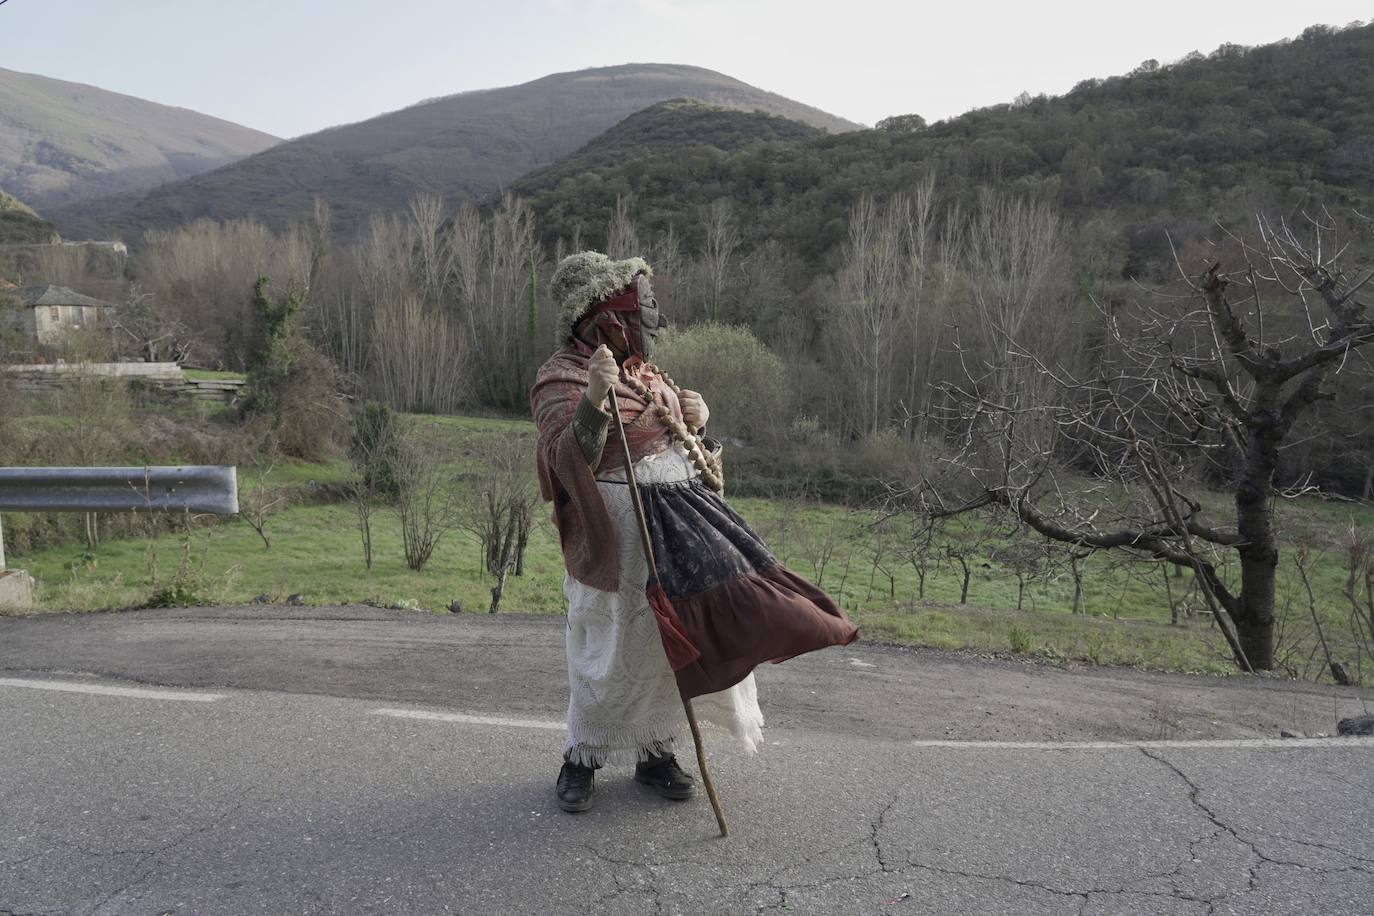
[{"x": 585, "y": 532}]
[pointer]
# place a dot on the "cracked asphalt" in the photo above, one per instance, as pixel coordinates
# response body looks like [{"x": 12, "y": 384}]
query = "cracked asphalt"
[{"x": 893, "y": 782}]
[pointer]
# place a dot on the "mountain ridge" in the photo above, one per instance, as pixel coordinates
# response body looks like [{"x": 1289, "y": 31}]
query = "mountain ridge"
[
  {"x": 462, "y": 147},
  {"x": 62, "y": 141}
]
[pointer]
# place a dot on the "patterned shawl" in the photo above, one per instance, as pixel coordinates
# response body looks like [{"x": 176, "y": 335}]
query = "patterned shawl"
[{"x": 579, "y": 513}]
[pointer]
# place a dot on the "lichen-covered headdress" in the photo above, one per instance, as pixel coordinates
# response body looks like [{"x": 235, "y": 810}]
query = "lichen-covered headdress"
[{"x": 589, "y": 277}]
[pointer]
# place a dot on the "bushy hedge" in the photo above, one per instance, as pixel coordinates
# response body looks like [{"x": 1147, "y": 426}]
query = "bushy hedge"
[{"x": 743, "y": 382}]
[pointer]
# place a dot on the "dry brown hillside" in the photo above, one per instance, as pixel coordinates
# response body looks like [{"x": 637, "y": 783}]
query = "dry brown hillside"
[{"x": 62, "y": 142}]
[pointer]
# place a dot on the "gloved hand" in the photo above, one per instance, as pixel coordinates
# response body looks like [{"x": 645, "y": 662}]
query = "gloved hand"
[
  {"x": 694, "y": 410},
  {"x": 602, "y": 371}
]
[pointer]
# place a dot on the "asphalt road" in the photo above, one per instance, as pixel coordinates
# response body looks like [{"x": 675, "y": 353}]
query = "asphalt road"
[{"x": 273, "y": 760}]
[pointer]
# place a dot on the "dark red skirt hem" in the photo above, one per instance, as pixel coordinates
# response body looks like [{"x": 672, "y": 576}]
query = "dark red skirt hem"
[{"x": 769, "y": 615}]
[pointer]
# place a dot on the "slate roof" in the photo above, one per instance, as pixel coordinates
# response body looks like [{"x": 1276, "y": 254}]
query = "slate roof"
[{"x": 56, "y": 295}]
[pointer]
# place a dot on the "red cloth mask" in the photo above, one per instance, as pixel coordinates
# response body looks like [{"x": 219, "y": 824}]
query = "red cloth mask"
[{"x": 633, "y": 312}]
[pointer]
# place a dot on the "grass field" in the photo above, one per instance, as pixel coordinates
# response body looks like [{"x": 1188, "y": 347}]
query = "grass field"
[{"x": 316, "y": 552}]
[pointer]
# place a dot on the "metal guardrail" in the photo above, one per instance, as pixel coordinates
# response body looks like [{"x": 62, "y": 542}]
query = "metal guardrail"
[{"x": 192, "y": 488}]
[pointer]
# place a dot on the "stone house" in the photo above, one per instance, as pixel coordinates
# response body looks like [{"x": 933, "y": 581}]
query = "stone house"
[{"x": 47, "y": 313}]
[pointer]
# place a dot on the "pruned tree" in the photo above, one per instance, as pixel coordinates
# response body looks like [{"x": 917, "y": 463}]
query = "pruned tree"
[
  {"x": 817, "y": 544},
  {"x": 1210, "y": 382},
  {"x": 427, "y": 501},
  {"x": 880, "y": 542},
  {"x": 259, "y": 501},
  {"x": 962, "y": 546},
  {"x": 919, "y": 550},
  {"x": 372, "y": 454},
  {"x": 1028, "y": 559},
  {"x": 498, "y": 509}
]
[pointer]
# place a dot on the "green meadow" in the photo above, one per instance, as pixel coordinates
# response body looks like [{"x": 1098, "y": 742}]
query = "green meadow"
[{"x": 316, "y": 553}]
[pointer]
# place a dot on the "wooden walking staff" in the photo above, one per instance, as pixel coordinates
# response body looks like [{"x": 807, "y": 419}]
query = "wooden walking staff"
[{"x": 653, "y": 571}]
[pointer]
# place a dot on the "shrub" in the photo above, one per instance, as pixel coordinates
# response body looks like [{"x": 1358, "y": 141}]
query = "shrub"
[
  {"x": 744, "y": 383},
  {"x": 427, "y": 505},
  {"x": 373, "y": 448},
  {"x": 290, "y": 383}
]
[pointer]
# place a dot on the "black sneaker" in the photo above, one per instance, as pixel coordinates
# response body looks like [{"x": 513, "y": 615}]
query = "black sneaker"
[
  {"x": 666, "y": 778},
  {"x": 576, "y": 784}
]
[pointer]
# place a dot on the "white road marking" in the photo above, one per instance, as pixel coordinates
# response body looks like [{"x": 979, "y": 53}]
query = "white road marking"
[
  {"x": 1350, "y": 742},
  {"x": 1364, "y": 743},
  {"x": 471, "y": 720},
  {"x": 861, "y": 664},
  {"x": 107, "y": 690}
]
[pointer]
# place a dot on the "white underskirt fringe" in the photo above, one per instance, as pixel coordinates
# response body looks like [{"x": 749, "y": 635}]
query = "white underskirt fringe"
[{"x": 623, "y": 703}]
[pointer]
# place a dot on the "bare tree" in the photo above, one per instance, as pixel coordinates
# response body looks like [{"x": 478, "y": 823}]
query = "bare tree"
[
  {"x": 962, "y": 545},
  {"x": 1358, "y": 589},
  {"x": 145, "y": 325},
  {"x": 817, "y": 544},
  {"x": 622, "y": 235},
  {"x": 670, "y": 264},
  {"x": 1012, "y": 262},
  {"x": 722, "y": 241},
  {"x": 1219, "y": 375},
  {"x": 499, "y": 510},
  {"x": 374, "y": 270},
  {"x": 372, "y": 454},
  {"x": 467, "y": 244},
  {"x": 872, "y": 284},
  {"x": 888, "y": 328},
  {"x": 419, "y": 363},
  {"x": 427, "y": 502},
  {"x": 919, "y": 550},
  {"x": 923, "y": 319},
  {"x": 431, "y": 254},
  {"x": 1027, "y": 559},
  {"x": 505, "y": 301},
  {"x": 261, "y": 499},
  {"x": 203, "y": 273},
  {"x": 1303, "y": 563},
  {"x": 880, "y": 545}
]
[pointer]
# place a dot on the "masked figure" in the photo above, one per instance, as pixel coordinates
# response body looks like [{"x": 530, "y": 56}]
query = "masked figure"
[{"x": 725, "y": 605}]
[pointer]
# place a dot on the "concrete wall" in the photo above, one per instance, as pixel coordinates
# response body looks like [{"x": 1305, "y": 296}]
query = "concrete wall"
[{"x": 171, "y": 371}]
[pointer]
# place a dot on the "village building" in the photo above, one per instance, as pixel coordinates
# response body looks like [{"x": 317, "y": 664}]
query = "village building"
[{"x": 46, "y": 314}]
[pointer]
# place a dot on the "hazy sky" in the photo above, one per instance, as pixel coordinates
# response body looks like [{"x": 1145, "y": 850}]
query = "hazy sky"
[{"x": 291, "y": 67}]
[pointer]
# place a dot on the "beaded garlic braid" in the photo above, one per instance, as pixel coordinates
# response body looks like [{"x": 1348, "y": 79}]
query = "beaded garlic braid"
[{"x": 709, "y": 465}]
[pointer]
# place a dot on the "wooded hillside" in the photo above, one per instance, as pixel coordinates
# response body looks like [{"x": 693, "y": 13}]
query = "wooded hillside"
[
  {"x": 461, "y": 147},
  {"x": 1283, "y": 127}
]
